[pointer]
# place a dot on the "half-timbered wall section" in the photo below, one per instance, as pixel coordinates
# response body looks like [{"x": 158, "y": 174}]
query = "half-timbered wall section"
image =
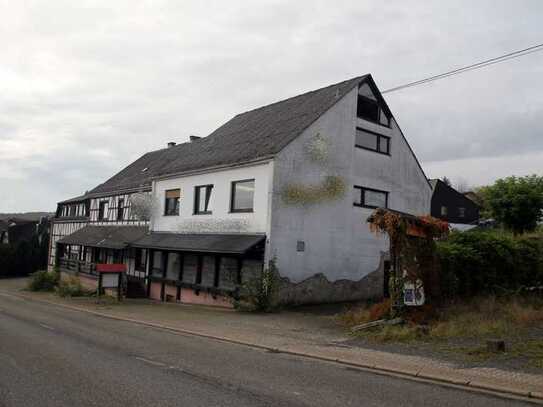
[
  {"x": 107, "y": 210},
  {"x": 71, "y": 210},
  {"x": 292, "y": 181},
  {"x": 59, "y": 229},
  {"x": 114, "y": 210}
]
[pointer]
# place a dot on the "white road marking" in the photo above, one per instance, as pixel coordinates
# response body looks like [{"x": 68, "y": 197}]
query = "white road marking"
[
  {"x": 151, "y": 362},
  {"x": 47, "y": 327}
]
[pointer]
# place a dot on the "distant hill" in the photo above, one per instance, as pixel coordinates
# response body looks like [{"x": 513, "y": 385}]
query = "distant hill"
[{"x": 25, "y": 215}]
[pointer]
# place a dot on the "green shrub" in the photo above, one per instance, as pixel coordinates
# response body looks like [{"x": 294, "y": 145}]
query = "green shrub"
[
  {"x": 260, "y": 293},
  {"x": 71, "y": 287},
  {"x": 43, "y": 281},
  {"x": 489, "y": 262}
]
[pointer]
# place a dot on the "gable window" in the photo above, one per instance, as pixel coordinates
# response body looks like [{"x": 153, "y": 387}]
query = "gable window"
[
  {"x": 370, "y": 198},
  {"x": 102, "y": 208},
  {"x": 171, "y": 203},
  {"x": 461, "y": 212},
  {"x": 242, "y": 196},
  {"x": 369, "y": 140},
  {"x": 368, "y": 108},
  {"x": 202, "y": 195},
  {"x": 120, "y": 209},
  {"x": 443, "y": 211}
]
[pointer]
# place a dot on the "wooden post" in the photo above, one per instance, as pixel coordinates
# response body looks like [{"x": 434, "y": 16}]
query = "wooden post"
[
  {"x": 216, "y": 278},
  {"x": 240, "y": 266},
  {"x": 180, "y": 276},
  {"x": 99, "y": 292},
  {"x": 164, "y": 270},
  {"x": 150, "y": 271},
  {"x": 119, "y": 278}
]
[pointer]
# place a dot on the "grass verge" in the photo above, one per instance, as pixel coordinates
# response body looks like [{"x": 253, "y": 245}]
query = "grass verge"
[{"x": 464, "y": 327}]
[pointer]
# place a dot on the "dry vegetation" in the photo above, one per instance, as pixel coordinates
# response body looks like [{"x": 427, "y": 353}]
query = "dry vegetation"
[
  {"x": 459, "y": 332},
  {"x": 478, "y": 318}
]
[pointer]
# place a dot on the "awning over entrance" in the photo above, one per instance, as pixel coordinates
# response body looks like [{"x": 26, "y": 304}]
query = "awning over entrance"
[
  {"x": 110, "y": 237},
  {"x": 212, "y": 243}
]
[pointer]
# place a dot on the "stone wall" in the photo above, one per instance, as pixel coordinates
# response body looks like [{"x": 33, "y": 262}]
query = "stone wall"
[{"x": 317, "y": 289}]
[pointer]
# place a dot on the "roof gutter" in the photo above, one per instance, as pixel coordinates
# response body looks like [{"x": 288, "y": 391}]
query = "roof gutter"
[{"x": 249, "y": 163}]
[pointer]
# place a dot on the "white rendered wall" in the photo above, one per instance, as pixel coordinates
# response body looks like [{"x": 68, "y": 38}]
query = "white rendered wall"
[
  {"x": 221, "y": 220},
  {"x": 338, "y": 242}
]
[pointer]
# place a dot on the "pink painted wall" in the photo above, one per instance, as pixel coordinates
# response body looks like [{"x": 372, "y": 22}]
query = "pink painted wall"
[
  {"x": 170, "y": 290},
  {"x": 188, "y": 296},
  {"x": 154, "y": 293}
]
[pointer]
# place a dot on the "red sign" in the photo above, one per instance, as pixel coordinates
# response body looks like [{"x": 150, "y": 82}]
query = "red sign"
[{"x": 111, "y": 268}]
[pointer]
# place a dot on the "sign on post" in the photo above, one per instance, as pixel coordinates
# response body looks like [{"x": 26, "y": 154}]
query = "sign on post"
[{"x": 110, "y": 276}]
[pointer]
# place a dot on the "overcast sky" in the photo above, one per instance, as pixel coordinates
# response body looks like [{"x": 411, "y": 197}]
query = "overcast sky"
[{"x": 87, "y": 87}]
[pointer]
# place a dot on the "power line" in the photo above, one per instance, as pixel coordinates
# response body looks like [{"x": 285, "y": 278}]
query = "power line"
[{"x": 467, "y": 68}]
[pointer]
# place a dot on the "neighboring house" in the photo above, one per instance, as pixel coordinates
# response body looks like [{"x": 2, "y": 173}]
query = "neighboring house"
[
  {"x": 16, "y": 230},
  {"x": 453, "y": 206},
  {"x": 475, "y": 197},
  {"x": 292, "y": 182},
  {"x": 4, "y": 237}
]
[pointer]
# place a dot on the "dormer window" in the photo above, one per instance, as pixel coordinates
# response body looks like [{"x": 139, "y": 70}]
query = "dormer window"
[
  {"x": 102, "y": 210},
  {"x": 368, "y": 107}
]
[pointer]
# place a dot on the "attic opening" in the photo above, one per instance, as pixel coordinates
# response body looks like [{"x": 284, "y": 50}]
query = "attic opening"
[{"x": 369, "y": 108}]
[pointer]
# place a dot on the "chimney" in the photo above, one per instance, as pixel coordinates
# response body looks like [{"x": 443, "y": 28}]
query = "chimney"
[
  {"x": 194, "y": 138},
  {"x": 171, "y": 144}
]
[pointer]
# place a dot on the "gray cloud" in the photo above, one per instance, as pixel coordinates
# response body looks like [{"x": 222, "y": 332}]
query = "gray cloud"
[{"x": 85, "y": 89}]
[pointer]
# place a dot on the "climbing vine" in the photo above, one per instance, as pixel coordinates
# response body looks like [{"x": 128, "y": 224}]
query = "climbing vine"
[
  {"x": 331, "y": 188},
  {"x": 317, "y": 149},
  {"x": 412, "y": 251}
]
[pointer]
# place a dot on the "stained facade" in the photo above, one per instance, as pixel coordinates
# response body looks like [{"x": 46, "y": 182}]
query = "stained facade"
[{"x": 293, "y": 181}]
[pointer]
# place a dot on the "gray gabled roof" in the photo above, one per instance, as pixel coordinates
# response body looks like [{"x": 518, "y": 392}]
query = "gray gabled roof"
[
  {"x": 253, "y": 135},
  {"x": 110, "y": 237},
  {"x": 72, "y": 200},
  {"x": 202, "y": 242}
]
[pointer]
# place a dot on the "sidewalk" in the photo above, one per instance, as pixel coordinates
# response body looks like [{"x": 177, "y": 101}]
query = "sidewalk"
[{"x": 294, "y": 332}]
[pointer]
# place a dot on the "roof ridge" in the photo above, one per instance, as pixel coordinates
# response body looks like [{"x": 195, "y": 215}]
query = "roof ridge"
[
  {"x": 360, "y": 77},
  {"x": 261, "y": 131}
]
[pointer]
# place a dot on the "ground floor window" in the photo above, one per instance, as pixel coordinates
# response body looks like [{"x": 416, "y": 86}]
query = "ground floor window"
[
  {"x": 157, "y": 264},
  {"x": 174, "y": 266}
]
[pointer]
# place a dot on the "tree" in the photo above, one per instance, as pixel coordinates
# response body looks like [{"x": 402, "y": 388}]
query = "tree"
[
  {"x": 462, "y": 185},
  {"x": 516, "y": 202},
  {"x": 446, "y": 181},
  {"x": 142, "y": 205}
]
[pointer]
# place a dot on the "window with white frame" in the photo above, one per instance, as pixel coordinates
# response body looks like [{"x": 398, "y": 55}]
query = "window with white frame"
[
  {"x": 242, "y": 196},
  {"x": 202, "y": 197}
]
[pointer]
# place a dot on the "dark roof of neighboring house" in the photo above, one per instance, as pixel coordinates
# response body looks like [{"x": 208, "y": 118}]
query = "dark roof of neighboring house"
[
  {"x": 202, "y": 242},
  {"x": 76, "y": 199},
  {"x": 256, "y": 134},
  {"x": 436, "y": 181},
  {"x": 110, "y": 237},
  {"x": 21, "y": 221}
]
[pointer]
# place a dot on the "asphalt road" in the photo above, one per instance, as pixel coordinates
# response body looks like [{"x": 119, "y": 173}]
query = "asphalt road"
[{"x": 50, "y": 356}]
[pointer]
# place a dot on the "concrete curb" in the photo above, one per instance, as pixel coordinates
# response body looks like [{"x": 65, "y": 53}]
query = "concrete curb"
[{"x": 474, "y": 386}]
